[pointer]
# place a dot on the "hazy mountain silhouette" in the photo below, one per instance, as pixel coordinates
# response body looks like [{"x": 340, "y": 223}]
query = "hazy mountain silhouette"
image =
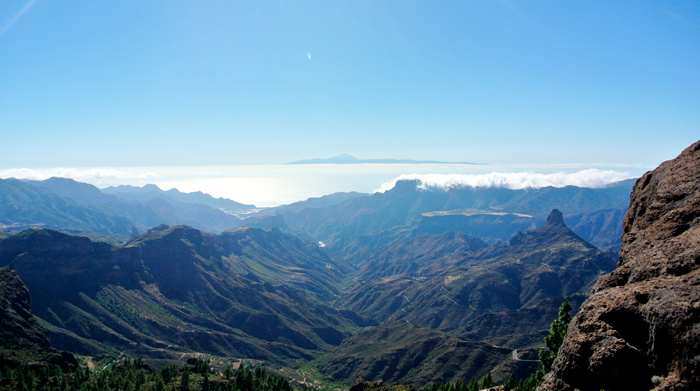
[
  {"x": 148, "y": 209},
  {"x": 381, "y": 217},
  {"x": 147, "y": 192},
  {"x": 24, "y": 205}
]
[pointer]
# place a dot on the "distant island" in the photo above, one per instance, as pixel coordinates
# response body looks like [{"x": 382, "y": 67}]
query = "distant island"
[{"x": 347, "y": 159}]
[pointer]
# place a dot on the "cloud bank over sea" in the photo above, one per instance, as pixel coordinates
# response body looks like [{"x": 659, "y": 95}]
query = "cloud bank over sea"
[
  {"x": 274, "y": 185},
  {"x": 593, "y": 178},
  {"x": 78, "y": 174}
]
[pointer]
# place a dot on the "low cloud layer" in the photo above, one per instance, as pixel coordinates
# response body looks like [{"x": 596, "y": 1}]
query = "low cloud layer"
[
  {"x": 73, "y": 173},
  {"x": 519, "y": 180}
]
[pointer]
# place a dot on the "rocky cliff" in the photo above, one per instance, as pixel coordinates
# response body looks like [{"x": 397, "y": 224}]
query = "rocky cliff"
[{"x": 640, "y": 329}]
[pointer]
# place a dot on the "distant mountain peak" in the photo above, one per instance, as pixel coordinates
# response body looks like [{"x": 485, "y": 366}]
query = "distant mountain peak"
[
  {"x": 344, "y": 156},
  {"x": 151, "y": 187}
]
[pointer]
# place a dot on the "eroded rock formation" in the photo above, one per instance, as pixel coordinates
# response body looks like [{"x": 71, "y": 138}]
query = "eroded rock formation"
[{"x": 640, "y": 329}]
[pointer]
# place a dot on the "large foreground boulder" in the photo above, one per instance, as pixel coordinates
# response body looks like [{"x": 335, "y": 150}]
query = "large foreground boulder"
[{"x": 640, "y": 328}]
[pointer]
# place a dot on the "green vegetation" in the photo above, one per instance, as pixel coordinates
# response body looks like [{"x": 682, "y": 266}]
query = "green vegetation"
[
  {"x": 553, "y": 342},
  {"x": 555, "y": 337},
  {"x": 198, "y": 375},
  {"x": 132, "y": 375},
  {"x": 472, "y": 385},
  {"x": 402, "y": 352}
]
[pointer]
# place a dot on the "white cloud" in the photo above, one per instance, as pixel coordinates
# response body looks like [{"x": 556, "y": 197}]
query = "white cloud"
[
  {"x": 593, "y": 178},
  {"x": 73, "y": 173}
]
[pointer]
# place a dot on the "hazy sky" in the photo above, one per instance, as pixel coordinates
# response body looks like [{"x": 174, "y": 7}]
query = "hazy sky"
[{"x": 189, "y": 83}]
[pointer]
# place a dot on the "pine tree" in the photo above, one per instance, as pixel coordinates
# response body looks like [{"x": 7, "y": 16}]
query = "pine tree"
[
  {"x": 244, "y": 379},
  {"x": 553, "y": 342},
  {"x": 488, "y": 381},
  {"x": 205, "y": 381},
  {"x": 555, "y": 338},
  {"x": 185, "y": 379},
  {"x": 228, "y": 372},
  {"x": 511, "y": 383},
  {"x": 160, "y": 385}
]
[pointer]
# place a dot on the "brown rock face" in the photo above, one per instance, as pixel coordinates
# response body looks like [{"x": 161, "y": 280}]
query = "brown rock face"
[{"x": 640, "y": 329}]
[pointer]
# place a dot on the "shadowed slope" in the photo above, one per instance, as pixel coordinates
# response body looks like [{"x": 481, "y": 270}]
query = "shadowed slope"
[
  {"x": 506, "y": 294},
  {"x": 399, "y": 352},
  {"x": 243, "y": 293},
  {"x": 22, "y": 339}
]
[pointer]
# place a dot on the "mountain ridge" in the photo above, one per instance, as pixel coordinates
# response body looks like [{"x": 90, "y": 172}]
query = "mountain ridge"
[
  {"x": 196, "y": 197},
  {"x": 402, "y": 352},
  {"x": 86, "y": 205},
  {"x": 24, "y": 205},
  {"x": 376, "y": 219},
  {"x": 176, "y": 289},
  {"x": 480, "y": 293}
]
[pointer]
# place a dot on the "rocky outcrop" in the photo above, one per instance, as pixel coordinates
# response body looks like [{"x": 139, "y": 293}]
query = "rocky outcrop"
[{"x": 640, "y": 329}]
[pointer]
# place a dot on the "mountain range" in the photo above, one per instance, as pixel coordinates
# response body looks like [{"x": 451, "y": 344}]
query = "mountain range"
[
  {"x": 62, "y": 203},
  {"x": 504, "y": 294},
  {"x": 348, "y": 284},
  {"x": 265, "y": 295},
  {"x": 244, "y": 293},
  {"x": 493, "y": 214},
  {"x": 345, "y": 222}
]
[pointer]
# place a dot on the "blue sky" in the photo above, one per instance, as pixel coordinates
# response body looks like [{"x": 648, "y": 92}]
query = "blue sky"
[{"x": 197, "y": 83}]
